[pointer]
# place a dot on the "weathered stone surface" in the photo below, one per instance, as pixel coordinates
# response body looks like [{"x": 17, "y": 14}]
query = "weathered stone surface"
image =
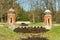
[
  {"x": 11, "y": 17},
  {"x": 47, "y": 19}
]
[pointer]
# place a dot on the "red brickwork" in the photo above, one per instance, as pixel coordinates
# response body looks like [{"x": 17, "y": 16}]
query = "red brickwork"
[
  {"x": 11, "y": 18},
  {"x": 47, "y": 20}
]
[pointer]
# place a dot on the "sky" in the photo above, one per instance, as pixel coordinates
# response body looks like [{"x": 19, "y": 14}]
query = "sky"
[
  {"x": 25, "y": 4},
  {"x": 57, "y": 6}
]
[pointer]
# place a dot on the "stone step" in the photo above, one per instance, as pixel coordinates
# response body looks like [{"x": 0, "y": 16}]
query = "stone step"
[{"x": 30, "y": 26}]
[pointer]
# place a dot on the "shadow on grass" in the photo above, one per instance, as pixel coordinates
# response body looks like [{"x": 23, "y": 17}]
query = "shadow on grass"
[
  {"x": 30, "y": 30},
  {"x": 36, "y": 38}
]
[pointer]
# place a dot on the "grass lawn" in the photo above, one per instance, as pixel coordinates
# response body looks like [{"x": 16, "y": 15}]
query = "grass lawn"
[
  {"x": 53, "y": 34},
  {"x": 7, "y": 34},
  {"x": 36, "y": 24}
]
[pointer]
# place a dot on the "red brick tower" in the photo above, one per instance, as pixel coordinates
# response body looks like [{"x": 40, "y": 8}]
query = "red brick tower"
[
  {"x": 11, "y": 18},
  {"x": 47, "y": 19}
]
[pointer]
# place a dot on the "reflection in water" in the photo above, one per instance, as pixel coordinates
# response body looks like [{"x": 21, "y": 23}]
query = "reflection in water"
[{"x": 31, "y": 33}]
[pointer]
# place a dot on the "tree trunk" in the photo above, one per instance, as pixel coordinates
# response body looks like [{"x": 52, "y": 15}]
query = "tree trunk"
[
  {"x": 1, "y": 19},
  {"x": 33, "y": 18}
]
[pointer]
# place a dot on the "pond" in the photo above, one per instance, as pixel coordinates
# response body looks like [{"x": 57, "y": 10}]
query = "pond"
[{"x": 31, "y": 33}]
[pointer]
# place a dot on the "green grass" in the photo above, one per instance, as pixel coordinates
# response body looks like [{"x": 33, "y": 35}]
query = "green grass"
[
  {"x": 36, "y": 24},
  {"x": 7, "y": 34},
  {"x": 53, "y": 34}
]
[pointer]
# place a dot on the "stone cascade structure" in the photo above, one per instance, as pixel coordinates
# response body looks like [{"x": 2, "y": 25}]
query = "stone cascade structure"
[
  {"x": 30, "y": 29},
  {"x": 11, "y": 17},
  {"x": 11, "y": 20},
  {"x": 47, "y": 19}
]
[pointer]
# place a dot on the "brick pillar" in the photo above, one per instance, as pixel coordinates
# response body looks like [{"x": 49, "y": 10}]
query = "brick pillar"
[
  {"x": 47, "y": 19},
  {"x": 11, "y": 18}
]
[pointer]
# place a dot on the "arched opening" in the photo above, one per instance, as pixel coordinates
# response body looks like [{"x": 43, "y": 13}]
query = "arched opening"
[
  {"x": 10, "y": 20},
  {"x": 48, "y": 21}
]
